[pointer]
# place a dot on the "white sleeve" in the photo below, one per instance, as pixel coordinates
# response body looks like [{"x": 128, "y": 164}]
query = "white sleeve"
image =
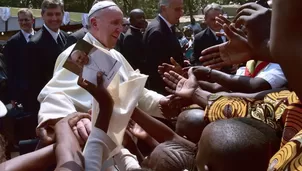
[
  {"x": 149, "y": 103},
  {"x": 98, "y": 148},
  {"x": 126, "y": 161},
  {"x": 274, "y": 75},
  {"x": 240, "y": 71},
  {"x": 149, "y": 100},
  {"x": 62, "y": 95}
]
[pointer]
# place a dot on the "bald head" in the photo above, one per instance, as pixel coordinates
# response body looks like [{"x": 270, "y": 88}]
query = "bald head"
[
  {"x": 232, "y": 144},
  {"x": 190, "y": 124},
  {"x": 137, "y": 18}
]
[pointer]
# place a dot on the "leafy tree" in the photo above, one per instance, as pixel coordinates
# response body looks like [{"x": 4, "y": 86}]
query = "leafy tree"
[{"x": 150, "y": 7}]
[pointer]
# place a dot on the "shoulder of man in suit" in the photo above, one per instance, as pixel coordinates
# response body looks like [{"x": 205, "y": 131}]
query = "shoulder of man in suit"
[
  {"x": 64, "y": 33},
  {"x": 36, "y": 37},
  {"x": 14, "y": 37}
]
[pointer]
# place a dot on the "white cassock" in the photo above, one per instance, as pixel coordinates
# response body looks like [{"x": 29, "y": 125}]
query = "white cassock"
[{"x": 62, "y": 95}]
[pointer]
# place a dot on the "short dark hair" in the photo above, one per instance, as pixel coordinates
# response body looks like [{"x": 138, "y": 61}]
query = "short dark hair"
[
  {"x": 50, "y": 4},
  {"x": 174, "y": 155},
  {"x": 25, "y": 11},
  {"x": 234, "y": 142}
]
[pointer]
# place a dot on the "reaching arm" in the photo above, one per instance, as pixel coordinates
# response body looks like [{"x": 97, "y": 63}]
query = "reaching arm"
[
  {"x": 211, "y": 87},
  {"x": 37, "y": 160},
  {"x": 239, "y": 83},
  {"x": 69, "y": 158},
  {"x": 159, "y": 131},
  {"x": 201, "y": 97},
  {"x": 286, "y": 40}
]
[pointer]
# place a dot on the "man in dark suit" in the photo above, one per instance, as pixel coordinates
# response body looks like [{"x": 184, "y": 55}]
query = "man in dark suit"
[
  {"x": 74, "y": 37},
  {"x": 13, "y": 52},
  {"x": 120, "y": 40},
  {"x": 44, "y": 48},
  {"x": 161, "y": 42},
  {"x": 207, "y": 37},
  {"x": 133, "y": 47}
]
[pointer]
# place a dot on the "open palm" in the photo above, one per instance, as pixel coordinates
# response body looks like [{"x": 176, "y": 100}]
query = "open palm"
[
  {"x": 137, "y": 130},
  {"x": 179, "y": 85},
  {"x": 235, "y": 51}
]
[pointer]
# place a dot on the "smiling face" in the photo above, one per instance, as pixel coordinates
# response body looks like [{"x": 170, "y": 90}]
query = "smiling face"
[
  {"x": 106, "y": 25},
  {"x": 138, "y": 19},
  {"x": 211, "y": 21},
  {"x": 53, "y": 18},
  {"x": 26, "y": 21}
]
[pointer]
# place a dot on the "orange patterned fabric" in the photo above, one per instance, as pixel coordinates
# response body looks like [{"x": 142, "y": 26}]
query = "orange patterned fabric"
[
  {"x": 293, "y": 118},
  {"x": 279, "y": 110},
  {"x": 289, "y": 157},
  {"x": 231, "y": 107}
]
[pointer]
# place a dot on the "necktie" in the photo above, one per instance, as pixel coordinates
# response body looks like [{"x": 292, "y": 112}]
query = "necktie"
[
  {"x": 28, "y": 38},
  {"x": 219, "y": 40},
  {"x": 173, "y": 29},
  {"x": 60, "y": 42}
]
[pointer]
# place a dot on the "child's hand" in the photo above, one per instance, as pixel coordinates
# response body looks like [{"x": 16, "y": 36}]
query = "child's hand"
[
  {"x": 103, "y": 97},
  {"x": 99, "y": 92}
]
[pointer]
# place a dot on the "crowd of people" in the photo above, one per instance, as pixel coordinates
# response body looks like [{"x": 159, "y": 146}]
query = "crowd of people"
[{"x": 222, "y": 98}]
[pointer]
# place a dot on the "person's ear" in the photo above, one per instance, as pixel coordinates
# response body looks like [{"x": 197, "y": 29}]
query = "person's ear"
[{"x": 93, "y": 22}]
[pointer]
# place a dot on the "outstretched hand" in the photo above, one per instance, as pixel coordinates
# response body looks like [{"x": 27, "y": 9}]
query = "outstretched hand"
[
  {"x": 137, "y": 130},
  {"x": 256, "y": 20},
  {"x": 221, "y": 20},
  {"x": 235, "y": 51},
  {"x": 99, "y": 92},
  {"x": 174, "y": 66},
  {"x": 103, "y": 97},
  {"x": 179, "y": 85},
  {"x": 63, "y": 129}
]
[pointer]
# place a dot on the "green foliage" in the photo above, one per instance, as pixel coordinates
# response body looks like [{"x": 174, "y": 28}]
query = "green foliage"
[{"x": 150, "y": 7}]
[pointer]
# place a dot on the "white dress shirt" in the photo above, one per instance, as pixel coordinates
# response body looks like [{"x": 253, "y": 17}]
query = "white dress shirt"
[
  {"x": 272, "y": 73},
  {"x": 53, "y": 34},
  {"x": 27, "y": 35}
]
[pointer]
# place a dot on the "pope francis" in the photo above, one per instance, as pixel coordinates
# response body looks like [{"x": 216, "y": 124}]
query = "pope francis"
[{"x": 62, "y": 96}]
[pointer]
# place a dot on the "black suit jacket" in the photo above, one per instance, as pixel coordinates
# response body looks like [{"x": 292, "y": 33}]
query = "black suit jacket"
[
  {"x": 160, "y": 44},
  {"x": 74, "y": 37},
  {"x": 13, "y": 52},
  {"x": 41, "y": 53},
  {"x": 119, "y": 43},
  {"x": 133, "y": 49},
  {"x": 202, "y": 41}
]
